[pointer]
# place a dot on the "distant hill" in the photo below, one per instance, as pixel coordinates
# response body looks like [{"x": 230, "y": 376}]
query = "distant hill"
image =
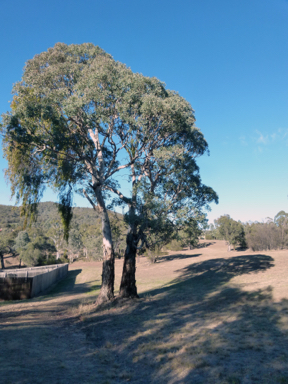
[
  {"x": 10, "y": 215},
  {"x": 46, "y": 234}
]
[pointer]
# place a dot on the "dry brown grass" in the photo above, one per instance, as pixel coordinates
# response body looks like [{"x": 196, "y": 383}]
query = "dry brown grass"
[{"x": 204, "y": 316}]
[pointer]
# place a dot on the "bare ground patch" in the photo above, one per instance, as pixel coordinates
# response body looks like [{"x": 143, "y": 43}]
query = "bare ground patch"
[{"x": 204, "y": 316}]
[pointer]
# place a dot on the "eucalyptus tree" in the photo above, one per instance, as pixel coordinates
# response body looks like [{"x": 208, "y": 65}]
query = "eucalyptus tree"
[
  {"x": 79, "y": 118},
  {"x": 167, "y": 193},
  {"x": 281, "y": 221},
  {"x": 72, "y": 102},
  {"x": 232, "y": 231},
  {"x": 54, "y": 230}
]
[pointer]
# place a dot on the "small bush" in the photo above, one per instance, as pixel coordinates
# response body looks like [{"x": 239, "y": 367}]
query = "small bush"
[
  {"x": 263, "y": 236},
  {"x": 209, "y": 236},
  {"x": 174, "y": 245}
]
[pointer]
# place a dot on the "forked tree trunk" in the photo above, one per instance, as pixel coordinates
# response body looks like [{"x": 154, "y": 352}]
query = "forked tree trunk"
[
  {"x": 108, "y": 274},
  {"x": 128, "y": 282}
]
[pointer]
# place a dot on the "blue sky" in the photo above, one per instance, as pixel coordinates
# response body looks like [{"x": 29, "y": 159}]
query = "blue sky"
[{"x": 228, "y": 58}]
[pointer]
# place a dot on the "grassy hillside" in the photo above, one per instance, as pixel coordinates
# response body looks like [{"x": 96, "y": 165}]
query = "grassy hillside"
[
  {"x": 204, "y": 316},
  {"x": 44, "y": 238}
]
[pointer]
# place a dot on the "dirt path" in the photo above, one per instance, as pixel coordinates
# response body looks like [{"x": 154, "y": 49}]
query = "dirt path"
[{"x": 204, "y": 316}]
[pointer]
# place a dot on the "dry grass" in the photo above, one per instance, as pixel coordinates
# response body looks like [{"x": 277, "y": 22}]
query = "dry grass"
[{"x": 204, "y": 316}]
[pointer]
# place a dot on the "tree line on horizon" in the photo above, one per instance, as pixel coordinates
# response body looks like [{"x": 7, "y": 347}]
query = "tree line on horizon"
[
  {"x": 264, "y": 236},
  {"x": 43, "y": 242}
]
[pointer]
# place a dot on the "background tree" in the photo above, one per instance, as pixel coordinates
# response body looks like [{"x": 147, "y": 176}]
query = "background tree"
[
  {"x": 263, "y": 236},
  {"x": 167, "y": 191},
  {"x": 54, "y": 231},
  {"x": 231, "y": 230},
  {"x": 7, "y": 238},
  {"x": 37, "y": 251},
  {"x": 22, "y": 240},
  {"x": 192, "y": 230},
  {"x": 281, "y": 221},
  {"x": 75, "y": 245}
]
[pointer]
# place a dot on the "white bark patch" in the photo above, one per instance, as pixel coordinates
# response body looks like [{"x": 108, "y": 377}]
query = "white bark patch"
[{"x": 106, "y": 243}]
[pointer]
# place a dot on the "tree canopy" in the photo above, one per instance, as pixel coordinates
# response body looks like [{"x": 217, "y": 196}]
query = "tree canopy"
[
  {"x": 77, "y": 119},
  {"x": 231, "y": 230}
]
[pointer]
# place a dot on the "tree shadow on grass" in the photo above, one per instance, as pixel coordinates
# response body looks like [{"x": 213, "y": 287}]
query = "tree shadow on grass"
[
  {"x": 67, "y": 284},
  {"x": 228, "y": 268},
  {"x": 198, "y": 329},
  {"x": 205, "y": 244},
  {"x": 65, "y": 287},
  {"x": 178, "y": 256}
]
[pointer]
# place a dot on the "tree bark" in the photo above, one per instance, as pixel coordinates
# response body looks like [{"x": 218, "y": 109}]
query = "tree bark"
[
  {"x": 108, "y": 273},
  {"x": 128, "y": 282},
  {"x": 2, "y": 261}
]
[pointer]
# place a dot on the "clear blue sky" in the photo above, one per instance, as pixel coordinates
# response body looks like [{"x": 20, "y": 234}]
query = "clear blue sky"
[{"x": 228, "y": 58}]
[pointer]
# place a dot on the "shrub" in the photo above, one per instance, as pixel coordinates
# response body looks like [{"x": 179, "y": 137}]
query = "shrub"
[
  {"x": 174, "y": 245},
  {"x": 263, "y": 236}
]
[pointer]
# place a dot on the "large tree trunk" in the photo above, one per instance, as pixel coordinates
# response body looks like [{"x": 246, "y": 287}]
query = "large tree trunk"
[
  {"x": 108, "y": 274},
  {"x": 128, "y": 282},
  {"x": 2, "y": 261}
]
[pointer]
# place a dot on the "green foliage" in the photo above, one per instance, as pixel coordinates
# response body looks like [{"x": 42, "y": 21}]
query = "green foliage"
[
  {"x": 73, "y": 112},
  {"x": 65, "y": 209},
  {"x": 174, "y": 245},
  {"x": 170, "y": 204},
  {"x": 47, "y": 235},
  {"x": 281, "y": 221},
  {"x": 7, "y": 237},
  {"x": 10, "y": 217},
  {"x": 263, "y": 236},
  {"x": 231, "y": 230},
  {"x": 21, "y": 240},
  {"x": 192, "y": 230},
  {"x": 209, "y": 235},
  {"x": 154, "y": 254},
  {"x": 37, "y": 251},
  {"x": 74, "y": 115},
  {"x": 268, "y": 235},
  {"x": 56, "y": 133},
  {"x": 31, "y": 256},
  {"x": 257, "y": 236}
]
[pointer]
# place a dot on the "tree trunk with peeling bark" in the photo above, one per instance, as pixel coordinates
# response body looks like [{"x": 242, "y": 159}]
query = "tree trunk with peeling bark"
[{"x": 108, "y": 273}]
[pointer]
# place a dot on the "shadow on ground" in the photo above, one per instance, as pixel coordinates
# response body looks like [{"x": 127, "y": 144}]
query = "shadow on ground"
[
  {"x": 205, "y": 244},
  {"x": 198, "y": 329},
  {"x": 177, "y": 256},
  {"x": 66, "y": 287},
  {"x": 68, "y": 284}
]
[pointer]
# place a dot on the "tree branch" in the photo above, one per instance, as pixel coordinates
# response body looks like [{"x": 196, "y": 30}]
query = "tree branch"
[{"x": 94, "y": 206}]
